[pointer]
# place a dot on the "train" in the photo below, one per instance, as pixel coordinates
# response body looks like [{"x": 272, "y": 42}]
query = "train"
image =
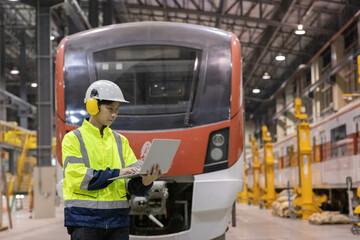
[
  {"x": 184, "y": 82},
  {"x": 335, "y": 155}
]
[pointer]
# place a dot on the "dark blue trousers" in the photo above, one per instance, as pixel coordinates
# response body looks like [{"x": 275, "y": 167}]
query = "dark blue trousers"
[{"x": 87, "y": 233}]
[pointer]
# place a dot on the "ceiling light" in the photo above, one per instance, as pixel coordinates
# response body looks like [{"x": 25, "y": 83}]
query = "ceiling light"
[
  {"x": 280, "y": 57},
  {"x": 13, "y": 0},
  {"x": 52, "y": 38},
  {"x": 300, "y": 30},
  {"x": 266, "y": 76},
  {"x": 256, "y": 90},
  {"x": 301, "y": 66},
  {"x": 34, "y": 84},
  {"x": 14, "y": 71}
]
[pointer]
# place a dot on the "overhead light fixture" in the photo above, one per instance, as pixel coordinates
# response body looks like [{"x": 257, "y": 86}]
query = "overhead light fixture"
[
  {"x": 52, "y": 38},
  {"x": 34, "y": 84},
  {"x": 13, "y": 0},
  {"x": 280, "y": 57},
  {"x": 300, "y": 30},
  {"x": 14, "y": 71},
  {"x": 301, "y": 66},
  {"x": 266, "y": 76},
  {"x": 256, "y": 90}
]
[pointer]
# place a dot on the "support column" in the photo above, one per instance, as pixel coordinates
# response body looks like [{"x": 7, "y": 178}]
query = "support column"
[
  {"x": 341, "y": 85},
  {"x": 107, "y": 13},
  {"x": 3, "y": 112},
  {"x": 315, "y": 76},
  {"x": 23, "y": 111},
  {"x": 44, "y": 192},
  {"x": 94, "y": 13},
  {"x": 290, "y": 127},
  {"x": 45, "y": 87},
  {"x": 44, "y": 175},
  {"x": 72, "y": 27},
  {"x": 358, "y": 31},
  {"x": 281, "y": 121}
]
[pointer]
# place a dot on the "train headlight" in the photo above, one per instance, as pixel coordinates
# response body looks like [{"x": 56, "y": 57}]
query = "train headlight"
[
  {"x": 216, "y": 154},
  {"x": 218, "y": 140}
]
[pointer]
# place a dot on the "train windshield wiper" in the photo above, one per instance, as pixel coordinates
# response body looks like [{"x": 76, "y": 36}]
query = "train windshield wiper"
[{"x": 191, "y": 98}]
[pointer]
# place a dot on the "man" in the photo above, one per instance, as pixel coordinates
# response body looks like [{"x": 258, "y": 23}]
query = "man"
[{"x": 95, "y": 207}]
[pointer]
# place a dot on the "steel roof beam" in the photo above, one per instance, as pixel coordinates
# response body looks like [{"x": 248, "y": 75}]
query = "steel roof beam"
[
  {"x": 77, "y": 16},
  {"x": 269, "y": 35},
  {"x": 267, "y": 65},
  {"x": 166, "y": 15},
  {"x": 177, "y": 4},
  {"x": 316, "y": 30},
  {"x": 275, "y": 49},
  {"x": 317, "y": 9},
  {"x": 195, "y": 4},
  {"x": 221, "y": 11},
  {"x": 231, "y": 7}
]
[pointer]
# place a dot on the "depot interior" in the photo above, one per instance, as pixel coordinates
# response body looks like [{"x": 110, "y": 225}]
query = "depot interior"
[{"x": 300, "y": 85}]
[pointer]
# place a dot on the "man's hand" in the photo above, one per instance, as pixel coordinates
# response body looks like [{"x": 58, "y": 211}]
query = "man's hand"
[
  {"x": 128, "y": 170},
  {"x": 150, "y": 177}
]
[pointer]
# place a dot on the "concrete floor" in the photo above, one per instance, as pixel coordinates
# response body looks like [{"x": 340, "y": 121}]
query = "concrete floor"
[
  {"x": 252, "y": 224},
  {"x": 255, "y": 224}
]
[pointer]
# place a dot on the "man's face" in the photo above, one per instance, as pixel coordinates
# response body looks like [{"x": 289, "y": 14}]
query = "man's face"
[{"x": 107, "y": 113}]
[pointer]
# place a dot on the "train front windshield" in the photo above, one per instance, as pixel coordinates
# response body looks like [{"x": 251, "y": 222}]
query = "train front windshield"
[{"x": 156, "y": 80}]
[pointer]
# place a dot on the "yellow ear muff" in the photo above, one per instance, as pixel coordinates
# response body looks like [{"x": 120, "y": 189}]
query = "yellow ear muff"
[{"x": 92, "y": 106}]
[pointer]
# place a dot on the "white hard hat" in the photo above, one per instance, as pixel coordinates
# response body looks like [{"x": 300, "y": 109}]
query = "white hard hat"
[{"x": 104, "y": 90}]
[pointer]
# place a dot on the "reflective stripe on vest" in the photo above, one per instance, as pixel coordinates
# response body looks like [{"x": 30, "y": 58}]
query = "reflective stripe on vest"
[
  {"x": 85, "y": 158},
  {"x": 136, "y": 164},
  {"x": 97, "y": 204},
  {"x": 84, "y": 154},
  {"x": 71, "y": 160},
  {"x": 119, "y": 146}
]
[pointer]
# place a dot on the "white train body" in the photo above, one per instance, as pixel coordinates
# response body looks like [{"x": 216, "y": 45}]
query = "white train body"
[{"x": 335, "y": 152}]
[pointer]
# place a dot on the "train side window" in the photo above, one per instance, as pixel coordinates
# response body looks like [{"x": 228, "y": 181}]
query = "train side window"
[
  {"x": 338, "y": 133},
  {"x": 338, "y": 146}
]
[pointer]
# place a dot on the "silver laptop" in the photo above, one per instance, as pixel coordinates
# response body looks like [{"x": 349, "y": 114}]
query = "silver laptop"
[{"x": 162, "y": 152}]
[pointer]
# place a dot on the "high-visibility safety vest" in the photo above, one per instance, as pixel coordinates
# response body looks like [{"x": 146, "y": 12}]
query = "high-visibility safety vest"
[{"x": 89, "y": 160}]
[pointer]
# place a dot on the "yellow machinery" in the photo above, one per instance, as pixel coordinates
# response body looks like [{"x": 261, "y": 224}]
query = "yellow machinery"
[
  {"x": 355, "y": 229},
  {"x": 353, "y": 214},
  {"x": 269, "y": 196},
  {"x": 21, "y": 140},
  {"x": 307, "y": 200},
  {"x": 254, "y": 192},
  {"x": 358, "y": 64}
]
